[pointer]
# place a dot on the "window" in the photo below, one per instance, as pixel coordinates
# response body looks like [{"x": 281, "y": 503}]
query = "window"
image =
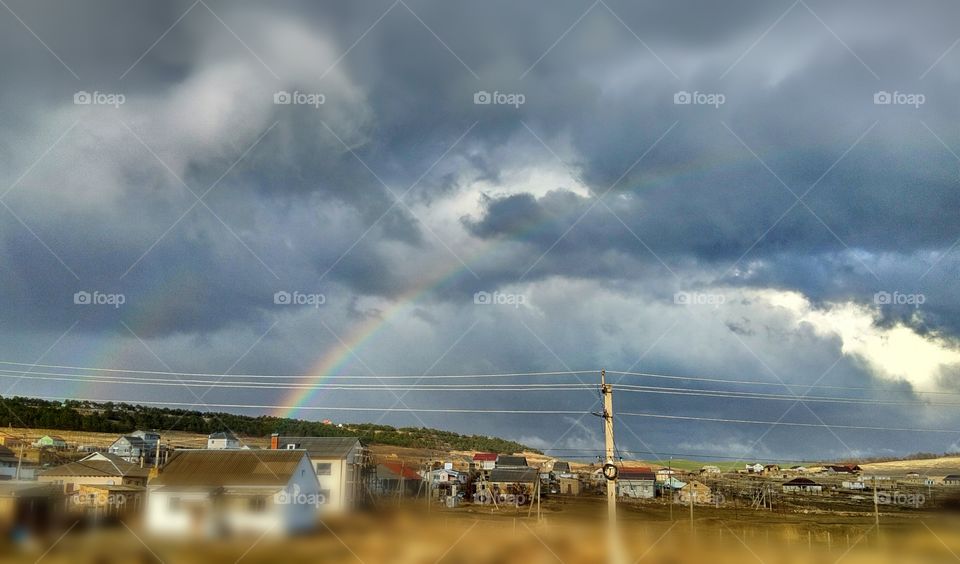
[
  {"x": 323, "y": 468},
  {"x": 174, "y": 503},
  {"x": 291, "y": 446}
]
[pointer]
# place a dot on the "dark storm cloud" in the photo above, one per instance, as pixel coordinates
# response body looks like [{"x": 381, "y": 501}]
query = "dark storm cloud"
[{"x": 306, "y": 198}]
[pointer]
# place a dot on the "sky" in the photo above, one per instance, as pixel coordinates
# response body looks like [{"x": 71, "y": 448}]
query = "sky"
[{"x": 762, "y": 192}]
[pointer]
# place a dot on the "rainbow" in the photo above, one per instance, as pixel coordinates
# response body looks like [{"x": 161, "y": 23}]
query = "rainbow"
[{"x": 337, "y": 358}]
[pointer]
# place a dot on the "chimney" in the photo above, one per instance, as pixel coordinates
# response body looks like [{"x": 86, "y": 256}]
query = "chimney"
[{"x": 274, "y": 441}]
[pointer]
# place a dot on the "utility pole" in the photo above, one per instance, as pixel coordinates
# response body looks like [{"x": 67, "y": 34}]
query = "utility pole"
[
  {"x": 670, "y": 485},
  {"x": 876, "y": 507},
  {"x": 610, "y": 469},
  {"x": 20, "y": 459}
]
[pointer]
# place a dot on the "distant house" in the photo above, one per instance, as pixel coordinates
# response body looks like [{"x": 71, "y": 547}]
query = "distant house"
[
  {"x": 51, "y": 441},
  {"x": 9, "y": 441},
  {"x": 394, "y": 477},
  {"x": 484, "y": 461},
  {"x": 952, "y": 480},
  {"x": 637, "y": 482},
  {"x": 755, "y": 468},
  {"x": 222, "y": 440},
  {"x": 569, "y": 486},
  {"x": 843, "y": 469},
  {"x": 695, "y": 491},
  {"x": 10, "y": 463},
  {"x": 665, "y": 474},
  {"x": 510, "y": 461},
  {"x": 707, "y": 470},
  {"x": 802, "y": 485},
  {"x": 100, "y": 484},
  {"x": 137, "y": 445},
  {"x": 561, "y": 468},
  {"x": 853, "y": 485},
  {"x": 771, "y": 470},
  {"x": 514, "y": 480},
  {"x": 213, "y": 492},
  {"x": 339, "y": 464}
]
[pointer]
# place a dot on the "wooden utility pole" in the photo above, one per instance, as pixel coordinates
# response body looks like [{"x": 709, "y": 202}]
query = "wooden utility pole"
[
  {"x": 876, "y": 507},
  {"x": 607, "y": 392},
  {"x": 613, "y": 541}
]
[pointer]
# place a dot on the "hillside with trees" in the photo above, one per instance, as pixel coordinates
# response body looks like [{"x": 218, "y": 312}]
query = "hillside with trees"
[{"x": 120, "y": 418}]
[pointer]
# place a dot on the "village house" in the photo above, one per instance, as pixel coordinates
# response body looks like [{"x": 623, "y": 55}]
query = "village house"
[
  {"x": 698, "y": 491},
  {"x": 12, "y": 468},
  {"x": 51, "y": 441},
  {"x": 483, "y": 461},
  {"x": 771, "y": 470},
  {"x": 137, "y": 445},
  {"x": 339, "y": 464},
  {"x": 100, "y": 485},
  {"x": 754, "y": 468},
  {"x": 637, "y": 483},
  {"x": 853, "y": 485},
  {"x": 397, "y": 478},
  {"x": 569, "y": 485},
  {"x": 802, "y": 485},
  {"x": 952, "y": 480},
  {"x": 227, "y": 491},
  {"x": 842, "y": 469},
  {"x": 222, "y": 440},
  {"x": 665, "y": 474},
  {"x": 561, "y": 469},
  {"x": 709, "y": 470},
  {"x": 513, "y": 480},
  {"x": 9, "y": 441}
]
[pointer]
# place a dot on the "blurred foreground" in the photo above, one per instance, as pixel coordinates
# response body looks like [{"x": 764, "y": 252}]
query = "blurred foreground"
[{"x": 573, "y": 533}]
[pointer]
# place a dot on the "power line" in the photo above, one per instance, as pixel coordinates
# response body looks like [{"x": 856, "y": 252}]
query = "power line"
[
  {"x": 787, "y": 424},
  {"x": 294, "y": 376}
]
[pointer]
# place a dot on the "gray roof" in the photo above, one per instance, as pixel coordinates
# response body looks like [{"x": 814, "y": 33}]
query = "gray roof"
[
  {"x": 522, "y": 475},
  {"x": 112, "y": 466},
  {"x": 321, "y": 447},
  {"x": 190, "y": 468},
  {"x": 508, "y": 461},
  {"x": 561, "y": 466},
  {"x": 222, "y": 435}
]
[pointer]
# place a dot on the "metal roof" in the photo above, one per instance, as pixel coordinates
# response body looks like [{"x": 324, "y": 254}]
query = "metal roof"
[
  {"x": 511, "y": 461},
  {"x": 522, "y": 475},
  {"x": 220, "y": 467},
  {"x": 321, "y": 447},
  {"x": 105, "y": 465}
]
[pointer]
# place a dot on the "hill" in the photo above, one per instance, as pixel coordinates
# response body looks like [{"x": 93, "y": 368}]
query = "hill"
[{"x": 119, "y": 418}]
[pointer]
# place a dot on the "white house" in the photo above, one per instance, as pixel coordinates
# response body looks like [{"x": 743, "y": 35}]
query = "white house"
[
  {"x": 338, "y": 463},
  {"x": 224, "y": 491},
  {"x": 222, "y": 440},
  {"x": 755, "y": 468},
  {"x": 637, "y": 483}
]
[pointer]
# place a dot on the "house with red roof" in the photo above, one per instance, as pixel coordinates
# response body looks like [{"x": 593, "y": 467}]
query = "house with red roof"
[
  {"x": 484, "y": 461},
  {"x": 397, "y": 478}
]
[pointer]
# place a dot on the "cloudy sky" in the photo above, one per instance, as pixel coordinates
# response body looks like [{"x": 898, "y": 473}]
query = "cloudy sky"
[{"x": 744, "y": 191}]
